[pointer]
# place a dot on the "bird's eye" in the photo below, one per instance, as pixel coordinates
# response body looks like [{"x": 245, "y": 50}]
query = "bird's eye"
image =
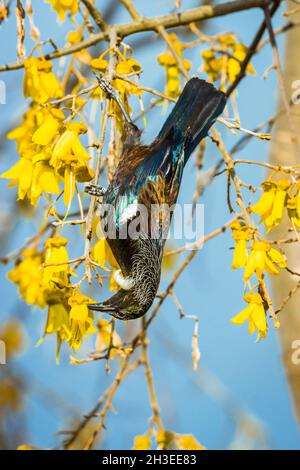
[{"x": 121, "y": 314}]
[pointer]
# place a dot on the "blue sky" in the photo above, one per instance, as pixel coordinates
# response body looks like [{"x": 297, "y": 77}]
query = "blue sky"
[{"x": 237, "y": 376}]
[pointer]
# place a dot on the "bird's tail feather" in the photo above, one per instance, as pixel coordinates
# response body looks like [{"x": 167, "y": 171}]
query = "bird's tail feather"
[{"x": 197, "y": 108}]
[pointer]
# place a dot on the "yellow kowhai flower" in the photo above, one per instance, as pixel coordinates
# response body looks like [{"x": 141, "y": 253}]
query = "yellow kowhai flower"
[
  {"x": 227, "y": 40},
  {"x": 32, "y": 173},
  {"x": 224, "y": 59},
  {"x": 48, "y": 125},
  {"x": 25, "y": 447},
  {"x": 83, "y": 56},
  {"x": 169, "y": 262},
  {"x": 142, "y": 442},
  {"x": 212, "y": 64},
  {"x": 29, "y": 278},
  {"x": 44, "y": 179},
  {"x": 239, "y": 52},
  {"x": 170, "y": 440},
  {"x": 11, "y": 334},
  {"x": 293, "y": 213},
  {"x": 57, "y": 293},
  {"x": 33, "y": 178},
  {"x": 187, "y": 442},
  {"x": 254, "y": 313},
  {"x": 21, "y": 175},
  {"x": 81, "y": 319},
  {"x": 99, "y": 64},
  {"x": 104, "y": 338},
  {"x": 128, "y": 66},
  {"x": 10, "y": 394},
  {"x": 58, "y": 323},
  {"x": 102, "y": 254},
  {"x": 271, "y": 204},
  {"x": 69, "y": 158},
  {"x": 56, "y": 275},
  {"x": 38, "y": 128},
  {"x": 74, "y": 37},
  {"x": 113, "y": 285},
  {"x": 173, "y": 72},
  {"x": 263, "y": 258},
  {"x": 40, "y": 83},
  {"x": 64, "y": 6},
  {"x": 241, "y": 235},
  {"x": 126, "y": 89},
  {"x": 23, "y": 133}
]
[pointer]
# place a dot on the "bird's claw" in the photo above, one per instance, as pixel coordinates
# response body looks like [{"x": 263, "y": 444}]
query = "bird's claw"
[
  {"x": 107, "y": 87},
  {"x": 112, "y": 93},
  {"x": 94, "y": 190}
]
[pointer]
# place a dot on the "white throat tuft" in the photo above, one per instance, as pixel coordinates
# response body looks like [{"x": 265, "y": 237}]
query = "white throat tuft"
[{"x": 123, "y": 282}]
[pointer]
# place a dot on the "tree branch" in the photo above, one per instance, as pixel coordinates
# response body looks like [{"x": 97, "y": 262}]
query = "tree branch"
[
  {"x": 95, "y": 14},
  {"x": 150, "y": 24}
]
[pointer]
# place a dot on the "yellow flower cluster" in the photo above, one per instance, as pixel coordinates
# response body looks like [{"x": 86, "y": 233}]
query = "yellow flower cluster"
[
  {"x": 81, "y": 319},
  {"x": 167, "y": 440},
  {"x": 69, "y": 158},
  {"x": 223, "y": 60},
  {"x": 29, "y": 277},
  {"x": 241, "y": 235},
  {"x": 32, "y": 173},
  {"x": 49, "y": 148},
  {"x": 44, "y": 280},
  {"x": 262, "y": 258},
  {"x": 171, "y": 440},
  {"x": 107, "y": 337},
  {"x": 257, "y": 258},
  {"x": 64, "y": 6},
  {"x": 68, "y": 314},
  {"x": 40, "y": 83},
  {"x": 254, "y": 313},
  {"x": 173, "y": 71},
  {"x": 104, "y": 339},
  {"x": 278, "y": 195}
]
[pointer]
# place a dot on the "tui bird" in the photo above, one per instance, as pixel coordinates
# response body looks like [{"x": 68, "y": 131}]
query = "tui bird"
[{"x": 149, "y": 175}]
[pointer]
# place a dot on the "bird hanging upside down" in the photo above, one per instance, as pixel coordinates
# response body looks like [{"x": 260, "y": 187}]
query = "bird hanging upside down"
[{"x": 150, "y": 175}]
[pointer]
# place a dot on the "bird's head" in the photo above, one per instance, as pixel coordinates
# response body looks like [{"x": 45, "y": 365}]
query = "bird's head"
[
  {"x": 124, "y": 305},
  {"x": 137, "y": 289}
]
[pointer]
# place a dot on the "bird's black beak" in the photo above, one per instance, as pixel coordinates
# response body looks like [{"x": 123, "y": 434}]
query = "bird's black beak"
[
  {"x": 101, "y": 307},
  {"x": 112, "y": 310}
]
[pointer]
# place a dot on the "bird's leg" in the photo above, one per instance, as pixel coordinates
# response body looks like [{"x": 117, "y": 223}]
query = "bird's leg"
[
  {"x": 112, "y": 93},
  {"x": 94, "y": 190},
  {"x": 131, "y": 133}
]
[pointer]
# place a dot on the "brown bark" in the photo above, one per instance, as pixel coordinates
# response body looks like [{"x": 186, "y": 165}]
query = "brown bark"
[{"x": 283, "y": 152}]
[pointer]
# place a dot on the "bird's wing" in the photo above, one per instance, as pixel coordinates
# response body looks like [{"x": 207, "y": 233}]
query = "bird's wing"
[{"x": 153, "y": 182}]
